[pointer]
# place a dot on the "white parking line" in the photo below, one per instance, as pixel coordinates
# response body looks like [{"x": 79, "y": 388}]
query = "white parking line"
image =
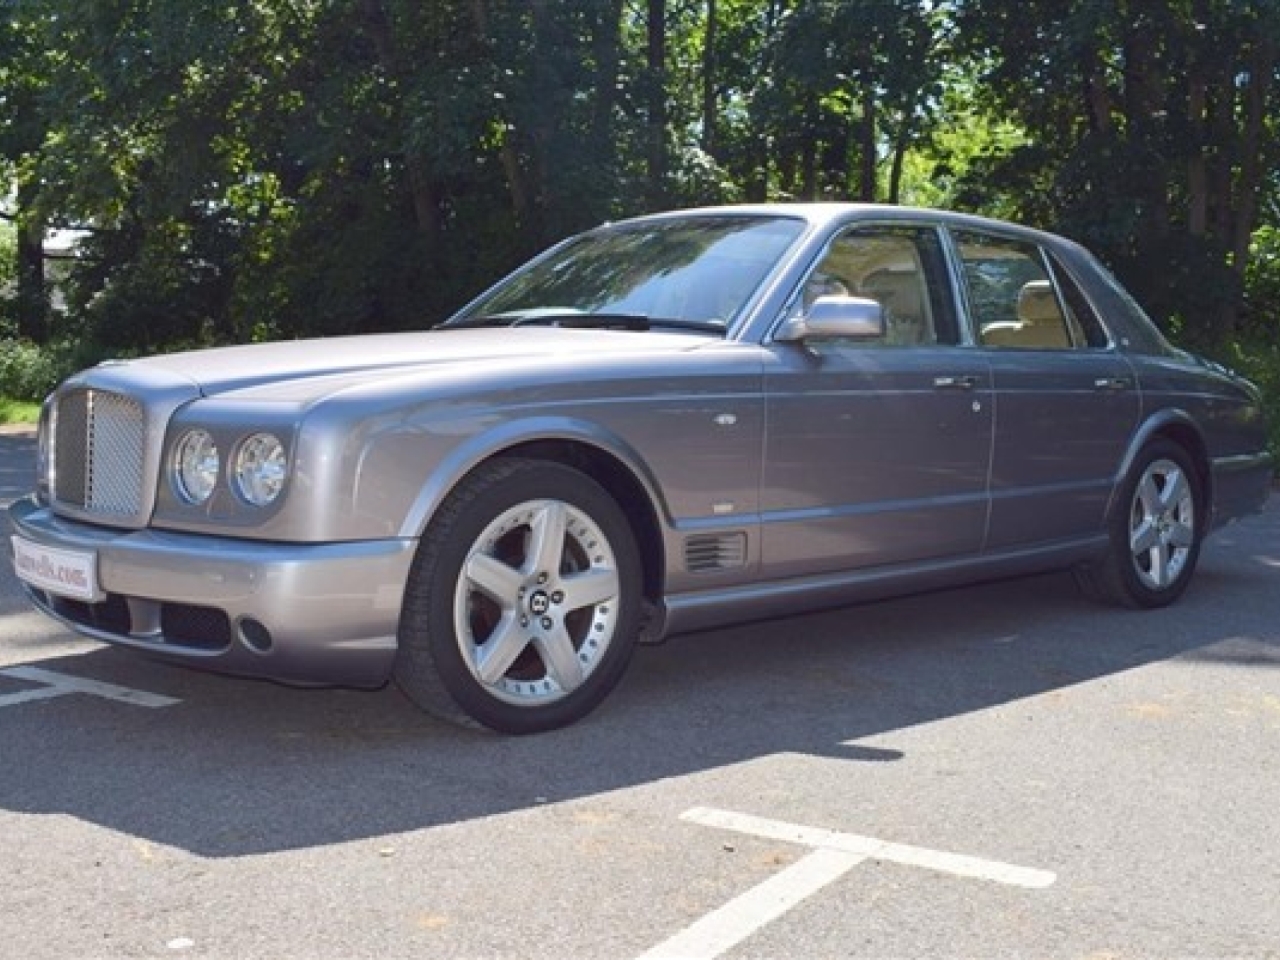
[
  {"x": 954, "y": 863},
  {"x": 60, "y": 685},
  {"x": 834, "y": 854},
  {"x": 724, "y": 929}
]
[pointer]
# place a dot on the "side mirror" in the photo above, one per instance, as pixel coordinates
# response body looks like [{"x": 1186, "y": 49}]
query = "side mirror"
[{"x": 828, "y": 318}]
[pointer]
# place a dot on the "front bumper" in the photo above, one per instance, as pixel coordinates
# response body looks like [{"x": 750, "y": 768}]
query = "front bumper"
[{"x": 298, "y": 613}]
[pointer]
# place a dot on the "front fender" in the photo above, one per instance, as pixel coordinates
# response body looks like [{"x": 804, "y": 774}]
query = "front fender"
[{"x": 438, "y": 473}]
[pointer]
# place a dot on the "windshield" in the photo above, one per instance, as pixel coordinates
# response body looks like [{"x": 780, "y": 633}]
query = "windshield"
[{"x": 697, "y": 272}]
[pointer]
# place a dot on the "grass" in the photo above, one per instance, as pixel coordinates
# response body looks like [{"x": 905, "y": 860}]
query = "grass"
[{"x": 18, "y": 411}]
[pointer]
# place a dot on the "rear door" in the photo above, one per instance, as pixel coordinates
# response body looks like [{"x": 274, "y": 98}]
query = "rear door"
[
  {"x": 1066, "y": 401},
  {"x": 876, "y": 452}
]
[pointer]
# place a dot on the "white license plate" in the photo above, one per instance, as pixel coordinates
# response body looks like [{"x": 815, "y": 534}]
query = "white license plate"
[{"x": 68, "y": 573}]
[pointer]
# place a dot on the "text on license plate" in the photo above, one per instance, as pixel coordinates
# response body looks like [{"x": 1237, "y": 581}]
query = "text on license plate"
[{"x": 68, "y": 573}]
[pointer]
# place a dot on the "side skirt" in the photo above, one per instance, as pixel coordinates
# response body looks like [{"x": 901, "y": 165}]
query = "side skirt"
[{"x": 687, "y": 612}]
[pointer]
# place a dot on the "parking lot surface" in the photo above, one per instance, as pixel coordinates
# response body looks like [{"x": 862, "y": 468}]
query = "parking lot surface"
[{"x": 999, "y": 771}]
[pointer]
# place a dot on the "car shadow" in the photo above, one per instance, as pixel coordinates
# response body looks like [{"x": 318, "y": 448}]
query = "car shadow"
[{"x": 243, "y": 767}]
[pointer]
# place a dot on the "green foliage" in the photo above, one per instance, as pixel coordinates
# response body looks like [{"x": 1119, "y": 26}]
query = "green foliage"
[
  {"x": 1262, "y": 285},
  {"x": 8, "y": 279},
  {"x": 28, "y": 372},
  {"x": 18, "y": 411},
  {"x": 1152, "y": 135},
  {"x": 254, "y": 169},
  {"x": 1258, "y": 358}
]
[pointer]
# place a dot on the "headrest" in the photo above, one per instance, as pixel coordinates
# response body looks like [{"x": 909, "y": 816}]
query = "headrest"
[{"x": 1037, "y": 303}]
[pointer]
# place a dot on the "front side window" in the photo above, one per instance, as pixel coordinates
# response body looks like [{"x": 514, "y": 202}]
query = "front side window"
[
  {"x": 695, "y": 271},
  {"x": 1014, "y": 299},
  {"x": 901, "y": 268}
]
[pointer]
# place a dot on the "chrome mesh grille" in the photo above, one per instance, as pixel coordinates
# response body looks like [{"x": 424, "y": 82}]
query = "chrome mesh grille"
[{"x": 98, "y": 452}]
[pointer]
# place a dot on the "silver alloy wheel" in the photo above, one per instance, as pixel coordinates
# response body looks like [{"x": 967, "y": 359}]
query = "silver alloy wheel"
[
  {"x": 536, "y": 603},
  {"x": 1162, "y": 524}
]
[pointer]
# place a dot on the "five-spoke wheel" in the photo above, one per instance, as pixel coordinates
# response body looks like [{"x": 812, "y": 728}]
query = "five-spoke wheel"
[
  {"x": 523, "y": 604},
  {"x": 1155, "y": 530},
  {"x": 1162, "y": 524}
]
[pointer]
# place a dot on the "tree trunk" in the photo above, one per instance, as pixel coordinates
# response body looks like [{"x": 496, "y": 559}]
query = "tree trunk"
[
  {"x": 657, "y": 129},
  {"x": 424, "y": 194},
  {"x": 899, "y": 159},
  {"x": 710, "y": 98},
  {"x": 607, "y": 44},
  {"x": 1197, "y": 126},
  {"x": 867, "y": 144},
  {"x": 809, "y": 154},
  {"x": 33, "y": 292},
  {"x": 1142, "y": 104},
  {"x": 1262, "y": 69},
  {"x": 518, "y": 188}
]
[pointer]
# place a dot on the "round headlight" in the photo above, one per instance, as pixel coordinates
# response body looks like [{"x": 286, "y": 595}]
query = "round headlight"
[
  {"x": 195, "y": 466},
  {"x": 260, "y": 469}
]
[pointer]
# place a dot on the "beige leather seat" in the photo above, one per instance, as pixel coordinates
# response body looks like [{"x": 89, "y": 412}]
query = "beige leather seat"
[
  {"x": 905, "y": 318},
  {"x": 1040, "y": 322}
]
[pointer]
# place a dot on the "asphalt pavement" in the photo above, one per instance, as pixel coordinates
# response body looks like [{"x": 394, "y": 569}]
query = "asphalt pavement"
[{"x": 1000, "y": 771}]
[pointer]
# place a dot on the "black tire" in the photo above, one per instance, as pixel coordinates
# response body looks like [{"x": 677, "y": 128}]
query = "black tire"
[
  {"x": 1156, "y": 526},
  {"x": 524, "y": 600}
]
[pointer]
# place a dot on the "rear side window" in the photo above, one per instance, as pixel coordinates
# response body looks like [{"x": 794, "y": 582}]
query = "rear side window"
[
  {"x": 1018, "y": 301},
  {"x": 1080, "y": 314}
]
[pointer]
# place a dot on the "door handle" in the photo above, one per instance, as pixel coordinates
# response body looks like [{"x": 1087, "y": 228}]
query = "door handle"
[
  {"x": 962, "y": 382},
  {"x": 1112, "y": 383}
]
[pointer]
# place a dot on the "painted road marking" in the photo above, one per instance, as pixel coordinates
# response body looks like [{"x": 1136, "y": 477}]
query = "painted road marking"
[
  {"x": 60, "y": 685},
  {"x": 723, "y": 929},
  {"x": 833, "y": 855},
  {"x": 873, "y": 849}
]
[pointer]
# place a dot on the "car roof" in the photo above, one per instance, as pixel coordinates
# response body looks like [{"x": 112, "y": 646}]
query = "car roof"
[{"x": 823, "y": 213}]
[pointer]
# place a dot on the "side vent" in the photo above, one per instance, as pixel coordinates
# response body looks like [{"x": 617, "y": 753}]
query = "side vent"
[{"x": 707, "y": 553}]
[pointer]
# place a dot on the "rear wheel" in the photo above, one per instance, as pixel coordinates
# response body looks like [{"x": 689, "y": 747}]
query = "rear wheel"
[
  {"x": 1155, "y": 530},
  {"x": 523, "y": 604}
]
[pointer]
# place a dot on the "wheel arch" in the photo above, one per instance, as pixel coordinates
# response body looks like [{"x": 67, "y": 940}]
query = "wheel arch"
[
  {"x": 621, "y": 483},
  {"x": 588, "y": 448},
  {"x": 1178, "y": 427}
]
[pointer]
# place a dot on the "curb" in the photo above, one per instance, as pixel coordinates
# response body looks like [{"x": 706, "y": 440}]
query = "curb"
[{"x": 23, "y": 430}]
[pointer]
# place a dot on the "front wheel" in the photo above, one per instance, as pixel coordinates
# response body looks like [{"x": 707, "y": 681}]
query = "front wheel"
[
  {"x": 1155, "y": 529},
  {"x": 523, "y": 604}
]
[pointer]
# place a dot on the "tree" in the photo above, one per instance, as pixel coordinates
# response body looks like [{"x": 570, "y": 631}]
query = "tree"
[
  {"x": 23, "y": 60},
  {"x": 1153, "y": 127}
]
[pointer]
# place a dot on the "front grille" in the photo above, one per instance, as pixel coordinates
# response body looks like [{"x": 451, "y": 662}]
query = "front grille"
[
  {"x": 186, "y": 625},
  {"x": 110, "y": 616},
  {"x": 181, "y": 624},
  {"x": 98, "y": 452}
]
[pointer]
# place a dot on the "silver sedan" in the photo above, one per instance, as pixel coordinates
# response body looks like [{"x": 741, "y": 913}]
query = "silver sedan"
[{"x": 661, "y": 425}]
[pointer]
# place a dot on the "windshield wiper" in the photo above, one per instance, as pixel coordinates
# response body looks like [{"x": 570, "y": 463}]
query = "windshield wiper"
[
  {"x": 590, "y": 321},
  {"x": 586, "y": 321}
]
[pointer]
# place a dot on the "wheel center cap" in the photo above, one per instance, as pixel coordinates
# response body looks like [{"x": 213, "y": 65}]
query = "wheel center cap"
[{"x": 539, "y": 603}]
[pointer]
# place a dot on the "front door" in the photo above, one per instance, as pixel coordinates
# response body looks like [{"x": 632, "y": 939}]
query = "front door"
[{"x": 877, "y": 452}]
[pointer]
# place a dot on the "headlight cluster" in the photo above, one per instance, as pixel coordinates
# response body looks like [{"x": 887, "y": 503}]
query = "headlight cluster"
[
  {"x": 258, "y": 467},
  {"x": 259, "y": 470}
]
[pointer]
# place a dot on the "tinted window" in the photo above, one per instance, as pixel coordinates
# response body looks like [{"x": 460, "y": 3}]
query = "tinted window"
[
  {"x": 902, "y": 268},
  {"x": 695, "y": 269},
  {"x": 1013, "y": 300},
  {"x": 1080, "y": 314}
]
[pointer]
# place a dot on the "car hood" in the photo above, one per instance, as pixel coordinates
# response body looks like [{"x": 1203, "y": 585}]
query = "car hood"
[{"x": 303, "y": 368}]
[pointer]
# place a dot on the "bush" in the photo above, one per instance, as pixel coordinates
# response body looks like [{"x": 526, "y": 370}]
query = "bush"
[
  {"x": 1258, "y": 358},
  {"x": 28, "y": 372}
]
